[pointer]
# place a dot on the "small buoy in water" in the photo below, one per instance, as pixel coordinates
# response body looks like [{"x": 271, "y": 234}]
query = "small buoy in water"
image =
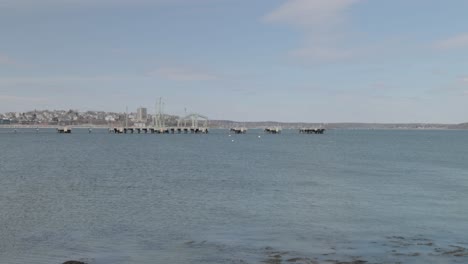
[
  {"x": 14, "y": 131},
  {"x": 229, "y": 134},
  {"x": 259, "y": 136},
  {"x": 232, "y": 140}
]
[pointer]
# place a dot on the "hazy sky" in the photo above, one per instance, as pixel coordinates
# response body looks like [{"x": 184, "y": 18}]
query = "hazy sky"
[{"x": 285, "y": 60}]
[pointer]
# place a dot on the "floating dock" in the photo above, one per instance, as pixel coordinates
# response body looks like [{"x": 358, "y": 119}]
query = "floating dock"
[
  {"x": 64, "y": 130},
  {"x": 273, "y": 130},
  {"x": 312, "y": 130},
  {"x": 165, "y": 130},
  {"x": 239, "y": 130}
]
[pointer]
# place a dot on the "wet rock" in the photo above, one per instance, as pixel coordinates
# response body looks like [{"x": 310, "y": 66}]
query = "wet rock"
[
  {"x": 302, "y": 260},
  {"x": 356, "y": 261},
  {"x": 352, "y": 262},
  {"x": 73, "y": 262},
  {"x": 279, "y": 253},
  {"x": 415, "y": 254},
  {"x": 421, "y": 239},
  {"x": 430, "y": 244},
  {"x": 192, "y": 243},
  {"x": 238, "y": 261},
  {"x": 396, "y": 237},
  {"x": 274, "y": 259},
  {"x": 457, "y": 252}
]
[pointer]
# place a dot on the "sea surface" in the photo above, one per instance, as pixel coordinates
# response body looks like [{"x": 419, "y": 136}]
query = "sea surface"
[{"x": 379, "y": 196}]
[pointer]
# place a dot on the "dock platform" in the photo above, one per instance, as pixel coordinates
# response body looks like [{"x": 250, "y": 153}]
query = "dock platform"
[
  {"x": 165, "y": 130},
  {"x": 239, "y": 130},
  {"x": 312, "y": 130},
  {"x": 273, "y": 130},
  {"x": 64, "y": 130}
]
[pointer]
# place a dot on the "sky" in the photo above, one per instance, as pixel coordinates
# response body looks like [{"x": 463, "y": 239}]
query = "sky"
[{"x": 384, "y": 61}]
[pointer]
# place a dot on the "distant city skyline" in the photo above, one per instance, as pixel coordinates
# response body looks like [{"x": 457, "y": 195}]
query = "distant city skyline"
[{"x": 393, "y": 61}]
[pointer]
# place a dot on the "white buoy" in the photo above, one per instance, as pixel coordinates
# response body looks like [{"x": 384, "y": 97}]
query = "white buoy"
[
  {"x": 259, "y": 136},
  {"x": 232, "y": 140},
  {"x": 229, "y": 135}
]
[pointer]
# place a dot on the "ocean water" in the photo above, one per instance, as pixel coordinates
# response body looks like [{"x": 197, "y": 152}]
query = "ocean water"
[{"x": 348, "y": 195}]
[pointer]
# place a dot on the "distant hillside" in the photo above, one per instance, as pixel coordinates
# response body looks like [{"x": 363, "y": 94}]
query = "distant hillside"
[
  {"x": 296, "y": 125},
  {"x": 102, "y": 118},
  {"x": 461, "y": 126}
]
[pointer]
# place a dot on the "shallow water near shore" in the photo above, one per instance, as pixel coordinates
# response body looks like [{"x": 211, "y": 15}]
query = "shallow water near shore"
[{"x": 379, "y": 196}]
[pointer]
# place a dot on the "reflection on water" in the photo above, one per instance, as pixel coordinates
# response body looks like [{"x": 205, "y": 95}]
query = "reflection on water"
[{"x": 341, "y": 197}]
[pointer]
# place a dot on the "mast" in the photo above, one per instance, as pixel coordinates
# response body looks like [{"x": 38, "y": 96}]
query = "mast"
[
  {"x": 185, "y": 118},
  {"x": 155, "y": 118},
  {"x": 126, "y": 116},
  {"x": 160, "y": 113},
  {"x": 163, "y": 119}
]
